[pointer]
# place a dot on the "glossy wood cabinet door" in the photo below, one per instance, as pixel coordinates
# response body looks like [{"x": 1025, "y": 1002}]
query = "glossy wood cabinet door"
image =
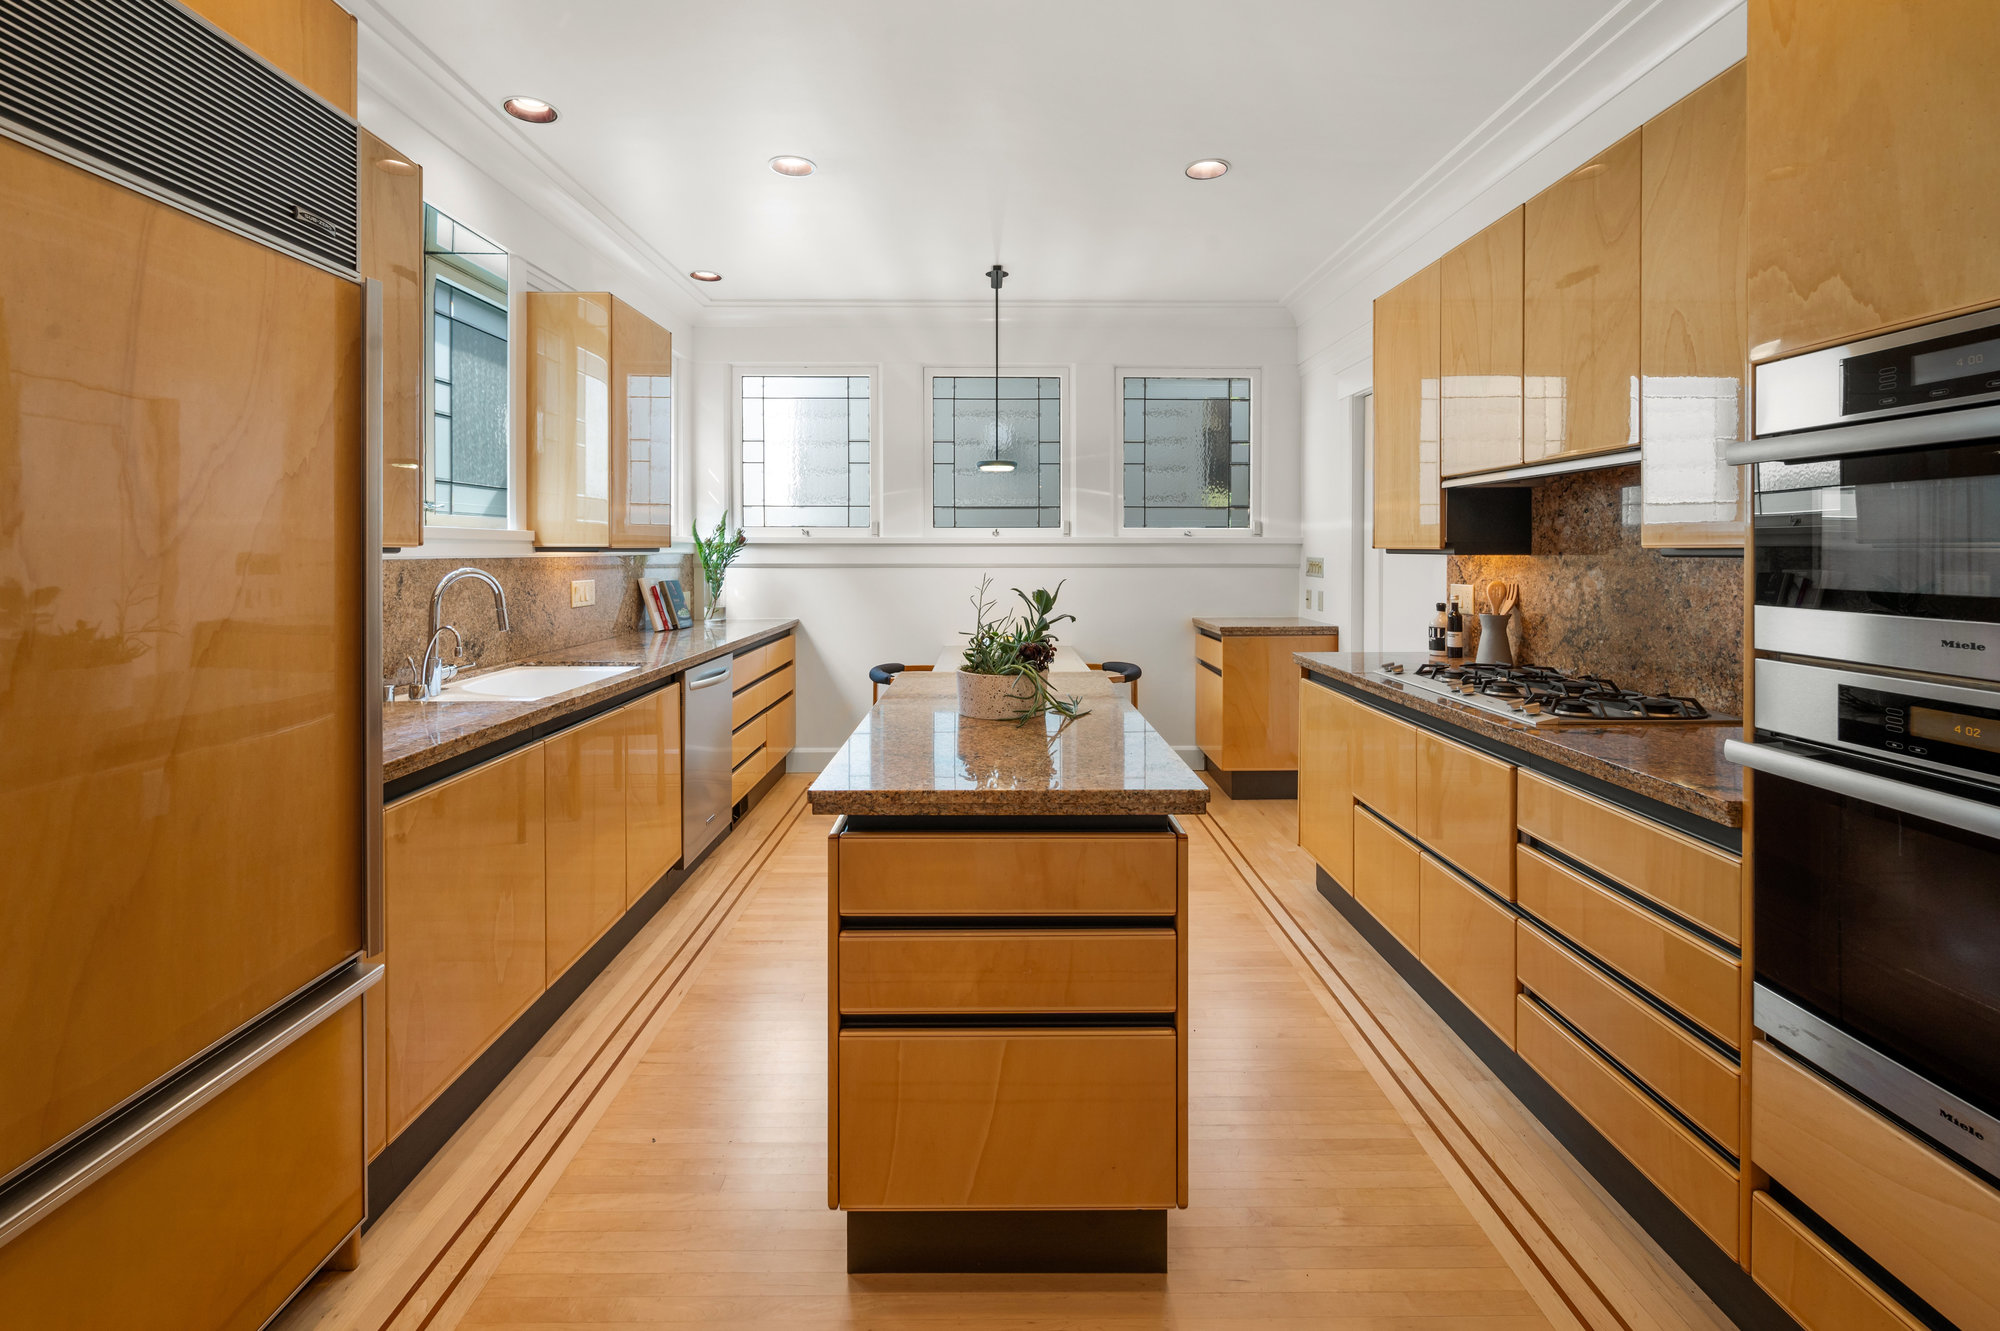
[
  {"x": 1580, "y": 339},
  {"x": 313, "y": 41},
  {"x": 1326, "y": 780},
  {"x": 392, "y": 252},
  {"x": 1386, "y": 878},
  {"x": 1692, "y": 355},
  {"x": 215, "y": 1223},
  {"x": 1409, "y": 512},
  {"x": 1466, "y": 938},
  {"x": 1480, "y": 403},
  {"x": 1385, "y": 766},
  {"x": 1465, "y": 810},
  {"x": 1208, "y": 708},
  {"x": 1008, "y": 970},
  {"x": 181, "y": 672},
  {"x": 1063, "y": 873},
  {"x": 1822, "y": 1290},
  {"x": 642, "y": 429},
  {"x": 652, "y": 789},
  {"x": 465, "y": 886},
  {"x": 781, "y": 729},
  {"x": 1872, "y": 170},
  {"x": 584, "y": 779}
]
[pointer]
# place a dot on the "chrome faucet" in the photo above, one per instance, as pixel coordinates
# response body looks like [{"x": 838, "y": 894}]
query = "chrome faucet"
[{"x": 433, "y": 673}]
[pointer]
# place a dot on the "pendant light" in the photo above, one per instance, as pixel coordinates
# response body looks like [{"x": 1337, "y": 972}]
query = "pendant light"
[{"x": 996, "y": 275}]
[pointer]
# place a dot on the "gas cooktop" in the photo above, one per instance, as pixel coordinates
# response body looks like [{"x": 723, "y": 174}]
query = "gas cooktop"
[{"x": 1542, "y": 696}]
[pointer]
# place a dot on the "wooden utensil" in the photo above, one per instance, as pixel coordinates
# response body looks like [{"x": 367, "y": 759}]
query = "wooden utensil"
[{"x": 1513, "y": 594}]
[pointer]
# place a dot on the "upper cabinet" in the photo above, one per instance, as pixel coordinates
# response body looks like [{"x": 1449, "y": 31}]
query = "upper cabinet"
[
  {"x": 392, "y": 251},
  {"x": 1692, "y": 352},
  {"x": 1580, "y": 340},
  {"x": 1408, "y": 512},
  {"x": 600, "y": 408},
  {"x": 1480, "y": 410},
  {"x": 310, "y": 40},
  {"x": 1872, "y": 173}
]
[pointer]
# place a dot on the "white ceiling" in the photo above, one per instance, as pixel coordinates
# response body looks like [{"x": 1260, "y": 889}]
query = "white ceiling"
[{"x": 1049, "y": 134}]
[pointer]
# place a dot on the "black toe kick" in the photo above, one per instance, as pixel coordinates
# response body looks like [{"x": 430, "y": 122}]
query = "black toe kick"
[{"x": 935, "y": 1242}]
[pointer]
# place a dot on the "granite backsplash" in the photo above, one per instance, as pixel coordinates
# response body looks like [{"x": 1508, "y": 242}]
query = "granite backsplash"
[
  {"x": 1593, "y": 599},
  {"x": 537, "y": 603}
]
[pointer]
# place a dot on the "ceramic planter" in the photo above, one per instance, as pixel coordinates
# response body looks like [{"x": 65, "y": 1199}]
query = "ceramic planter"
[{"x": 994, "y": 697}]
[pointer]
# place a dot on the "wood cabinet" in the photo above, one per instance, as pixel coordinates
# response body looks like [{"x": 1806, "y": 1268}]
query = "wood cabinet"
[
  {"x": 1821, "y": 1289},
  {"x": 1692, "y": 356},
  {"x": 312, "y": 41},
  {"x": 585, "y": 795},
  {"x": 392, "y": 252},
  {"x": 1466, "y": 938},
  {"x": 1465, "y": 810},
  {"x": 1580, "y": 339},
  {"x": 1871, "y": 172},
  {"x": 1326, "y": 780},
  {"x": 1008, "y": 970},
  {"x": 1931, "y": 1223},
  {"x": 1386, "y": 877},
  {"x": 1409, "y": 512},
  {"x": 1479, "y": 409},
  {"x": 1058, "y": 873},
  {"x": 1385, "y": 766},
  {"x": 599, "y": 399},
  {"x": 764, "y": 713},
  {"x": 652, "y": 788},
  {"x": 465, "y": 886},
  {"x": 1247, "y": 711}
]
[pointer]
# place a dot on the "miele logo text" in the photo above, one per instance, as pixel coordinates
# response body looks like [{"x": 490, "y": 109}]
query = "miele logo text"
[
  {"x": 1952, "y": 1119},
  {"x": 1963, "y": 646}
]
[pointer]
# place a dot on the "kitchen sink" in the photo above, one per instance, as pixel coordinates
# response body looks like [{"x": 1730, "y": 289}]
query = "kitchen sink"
[{"x": 527, "y": 683}]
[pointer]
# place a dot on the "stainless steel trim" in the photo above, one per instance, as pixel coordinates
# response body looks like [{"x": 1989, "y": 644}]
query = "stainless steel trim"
[
  {"x": 1939, "y": 427},
  {"x": 1588, "y": 462},
  {"x": 1917, "y": 801},
  {"x": 1804, "y": 392},
  {"x": 1958, "y": 1126},
  {"x": 375, "y": 907},
  {"x": 39, "y": 1194},
  {"x": 1803, "y": 700},
  {"x": 707, "y": 760},
  {"x": 709, "y": 681},
  {"x": 1896, "y": 642}
]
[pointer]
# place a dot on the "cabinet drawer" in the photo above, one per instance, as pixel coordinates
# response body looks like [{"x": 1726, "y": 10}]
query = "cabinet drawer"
[
  {"x": 1385, "y": 766},
  {"x": 1008, "y": 970},
  {"x": 1677, "y": 871},
  {"x": 1385, "y": 877},
  {"x": 920, "y": 873},
  {"x": 1465, "y": 811},
  {"x": 1811, "y": 1281},
  {"x": 759, "y": 696},
  {"x": 745, "y": 778},
  {"x": 781, "y": 726},
  {"x": 748, "y": 738},
  {"x": 1679, "y": 1068},
  {"x": 752, "y": 665},
  {"x": 1694, "y": 977},
  {"x": 1692, "y": 1175},
  {"x": 1008, "y": 1119},
  {"x": 1326, "y": 774},
  {"x": 1930, "y": 1222},
  {"x": 1468, "y": 942},
  {"x": 1208, "y": 649}
]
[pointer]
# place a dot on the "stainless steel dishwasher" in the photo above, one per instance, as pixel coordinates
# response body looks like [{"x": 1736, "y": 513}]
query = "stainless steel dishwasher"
[{"x": 705, "y": 753}]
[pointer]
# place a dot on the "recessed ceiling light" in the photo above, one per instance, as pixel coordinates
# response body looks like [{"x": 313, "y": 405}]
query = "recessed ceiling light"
[
  {"x": 793, "y": 166},
  {"x": 703, "y": 275},
  {"x": 531, "y": 109},
  {"x": 1208, "y": 168}
]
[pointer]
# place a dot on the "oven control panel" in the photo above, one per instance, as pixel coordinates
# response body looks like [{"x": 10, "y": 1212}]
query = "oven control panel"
[{"x": 1911, "y": 726}]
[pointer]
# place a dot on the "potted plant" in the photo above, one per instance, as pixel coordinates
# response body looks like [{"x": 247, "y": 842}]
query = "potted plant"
[
  {"x": 1006, "y": 672},
  {"x": 717, "y": 552}
]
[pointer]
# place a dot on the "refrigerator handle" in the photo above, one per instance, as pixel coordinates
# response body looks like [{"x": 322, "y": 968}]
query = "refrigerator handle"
[{"x": 371, "y": 623}]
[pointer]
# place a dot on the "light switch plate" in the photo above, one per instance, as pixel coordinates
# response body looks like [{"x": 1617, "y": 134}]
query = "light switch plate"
[
  {"x": 1461, "y": 596},
  {"x": 1322, "y": 600},
  {"x": 582, "y": 592},
  {"x": 1315, "y": 568}
]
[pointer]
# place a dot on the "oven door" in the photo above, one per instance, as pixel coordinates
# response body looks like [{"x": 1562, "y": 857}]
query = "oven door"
[
  {"x": 1877, "y": 917},
  {"x": 1888, "y": 559}
]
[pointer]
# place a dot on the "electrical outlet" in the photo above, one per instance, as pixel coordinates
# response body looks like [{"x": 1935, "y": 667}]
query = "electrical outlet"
[
  {"x": 1309, "y": 600},
  {"x": 582, "y": 592},
  {"x": 1461, "y": 596},
  {"x": 1315, "y": 568}
]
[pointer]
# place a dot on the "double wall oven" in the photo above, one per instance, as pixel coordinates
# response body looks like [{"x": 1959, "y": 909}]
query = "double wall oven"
[{"x": 1877, "y": 746}]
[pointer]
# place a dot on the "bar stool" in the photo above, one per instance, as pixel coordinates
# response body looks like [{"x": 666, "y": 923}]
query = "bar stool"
[
  {"x": 886, "y": 674},
  {"x": 1122, "y": 672}
]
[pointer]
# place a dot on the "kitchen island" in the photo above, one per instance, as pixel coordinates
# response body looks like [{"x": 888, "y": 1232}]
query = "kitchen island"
[{"x": 1007, "y": 1015}]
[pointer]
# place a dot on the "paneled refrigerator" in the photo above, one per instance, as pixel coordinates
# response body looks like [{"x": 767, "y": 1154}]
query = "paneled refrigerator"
[{"x": 189, "y": 732}]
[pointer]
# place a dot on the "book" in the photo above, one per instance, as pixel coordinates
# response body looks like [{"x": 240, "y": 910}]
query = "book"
[
  {"x": 657, "y": 606},
  {"x": 678, "y": 601}
]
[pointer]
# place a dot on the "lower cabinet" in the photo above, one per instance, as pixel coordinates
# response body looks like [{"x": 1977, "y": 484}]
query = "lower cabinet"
[
  {"x": 1326, "y": 780},
  {"x": 764, "y": 714},
  {"x": 1385, "y": 877},
  {"x": 932, "y": 971},
  {"x": 1812, "y": 1282},
  {"x": 1465, "y": 810},
  {"x": 467, "y": 909},
  {"x": 1466, "y": 938},
  {"x": 1385, "y": 766},
  {"x": 585, "y": 778},
  {"x": 215, "y": 1223},
  {"x": 652, "y": 789}
]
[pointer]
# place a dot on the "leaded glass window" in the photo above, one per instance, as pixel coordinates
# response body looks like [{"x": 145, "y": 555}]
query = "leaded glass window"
[
  {"x": 465, "y": 482},
  {"x": 805, "y": 450},
  {"x": 965, "y": 415},
  {"x": 1187, "y": 452}
]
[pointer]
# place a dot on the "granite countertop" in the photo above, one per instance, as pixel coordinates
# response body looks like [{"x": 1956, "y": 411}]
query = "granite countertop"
[
  {"x": 914, "y": 754},
  {"x": 418, "y": 734},
  {"x": 1270, "y": 626},
  {"x": 1677, "y": 763}
]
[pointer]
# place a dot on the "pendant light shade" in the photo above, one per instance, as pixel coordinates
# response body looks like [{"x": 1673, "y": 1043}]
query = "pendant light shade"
[{"x": 996, "y": 275}]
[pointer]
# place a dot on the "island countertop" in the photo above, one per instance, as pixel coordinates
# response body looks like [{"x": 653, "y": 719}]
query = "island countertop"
[
  {"x": 914, "y": 754},
  {"x": 1268, "y": 626}
]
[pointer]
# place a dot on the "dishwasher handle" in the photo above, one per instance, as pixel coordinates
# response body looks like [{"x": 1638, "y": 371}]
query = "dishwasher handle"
[{"x": 707, "y": 681}]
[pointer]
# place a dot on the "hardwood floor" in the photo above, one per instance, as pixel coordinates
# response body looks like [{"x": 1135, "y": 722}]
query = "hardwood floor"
[{"x": 660, "y": 1160}]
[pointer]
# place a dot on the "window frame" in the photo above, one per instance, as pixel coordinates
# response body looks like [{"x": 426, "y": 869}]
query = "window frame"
[
  {"x": 1066, "y": 513},
  {"x": 831, "y": 370},
  {"x": 1119, "y": 375}
]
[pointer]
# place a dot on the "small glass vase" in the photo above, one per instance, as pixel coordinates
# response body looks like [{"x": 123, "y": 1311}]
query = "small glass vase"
[{"x": 715, "y": 609}]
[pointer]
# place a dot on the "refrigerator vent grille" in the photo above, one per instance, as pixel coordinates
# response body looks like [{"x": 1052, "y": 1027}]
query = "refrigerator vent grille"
[{"x": 152, "y": 92}]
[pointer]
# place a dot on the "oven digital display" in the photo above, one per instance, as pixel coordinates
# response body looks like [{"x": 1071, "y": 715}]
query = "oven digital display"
[
  {"x": 1960, "y": 362},
  {"x": 1975, "y": 732}
]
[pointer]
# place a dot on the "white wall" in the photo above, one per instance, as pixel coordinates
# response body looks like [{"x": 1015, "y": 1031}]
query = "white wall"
[{"x": 902, "y": 596}]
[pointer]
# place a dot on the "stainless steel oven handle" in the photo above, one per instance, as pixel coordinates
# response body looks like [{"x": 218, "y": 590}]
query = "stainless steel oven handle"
[
  {"x": 707, "y": 680},
  {"x": 1947, "y": 427},
  {"x": 1917, "y": 801}
]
